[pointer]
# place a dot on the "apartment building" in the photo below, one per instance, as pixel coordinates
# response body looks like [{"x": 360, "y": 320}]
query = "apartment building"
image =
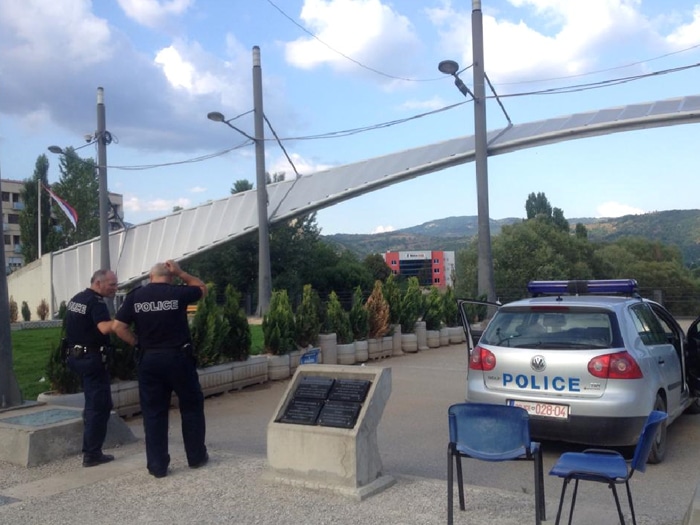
[
  {"x": 433, "y": 268},
  {"x": 12, "y": 205}
]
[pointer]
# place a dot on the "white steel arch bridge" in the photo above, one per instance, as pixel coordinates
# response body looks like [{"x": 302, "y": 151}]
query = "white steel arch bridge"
[{"x": 182, "y": 234}]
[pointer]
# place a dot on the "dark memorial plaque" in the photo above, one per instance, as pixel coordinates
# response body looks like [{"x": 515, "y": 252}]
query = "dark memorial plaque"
[
  {"x": 314, "y": 387},
  {"x": 341, "y": 414},
  {"x": 302, "y": 411},
  {"x": 354, "y": 390}
]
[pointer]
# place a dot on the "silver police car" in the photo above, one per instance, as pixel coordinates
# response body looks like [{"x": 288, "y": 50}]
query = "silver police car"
[{"x": 588, "y": 360}]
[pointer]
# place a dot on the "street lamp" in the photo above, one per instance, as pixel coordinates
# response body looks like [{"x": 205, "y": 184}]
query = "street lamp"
[
  {"x": 102, "y": 137},
  {"x": 485, "y": 276},
  {"x": 264, "y": 266}
]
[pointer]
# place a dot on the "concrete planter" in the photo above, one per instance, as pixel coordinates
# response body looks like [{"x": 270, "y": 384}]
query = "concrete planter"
[
  {"x": 396, "y": 338},
  {"x": 444, "y": 336},
  {"x": 387, "y": 346},
  {"x": 409, "y": 343},
  {"x": 125, "y": 397},
  {"x": 361, "y": 351},
  {"x": 252, "y": 371},
  {"x": 329, "y": 348},
  {"x": 421, "y": 335},
  {"x": 346, "y": 354},
  {"x": 278, "y": 367},
  {"x": 374, "y": 348},
  {"x": 433, "y": 337},
  {"x": 456, "y": 335}
]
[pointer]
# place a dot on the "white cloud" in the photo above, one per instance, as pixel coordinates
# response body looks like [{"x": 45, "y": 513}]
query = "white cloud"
[
  {"x": 383, "y": 229},
  {"x": 45, "y": 32},
  {"x": 615, "y": 209},
  {"x": 303, "y": 166},
  {"x": 687, "y": 34},
  {"x": 562, "y": 37},
  {"x": 135, "y": 204},
  {"x": 198, "y": 189},
  {"x": 366, "y": 31},
  {"x": 153, "y": 13},
  {"x": 424, "y": 105}
]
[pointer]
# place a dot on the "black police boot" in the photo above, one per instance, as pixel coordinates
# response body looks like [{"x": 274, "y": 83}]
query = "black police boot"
[{"x": 97, "y": 460}]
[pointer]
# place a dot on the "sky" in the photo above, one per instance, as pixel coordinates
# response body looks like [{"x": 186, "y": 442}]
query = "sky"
[{"x": 330, "y": 66}]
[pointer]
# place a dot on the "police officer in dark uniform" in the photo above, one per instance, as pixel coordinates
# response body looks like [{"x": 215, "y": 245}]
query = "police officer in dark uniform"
[
  {"x": 167, "y": 363},
  {"x": 87, "y": 345}
]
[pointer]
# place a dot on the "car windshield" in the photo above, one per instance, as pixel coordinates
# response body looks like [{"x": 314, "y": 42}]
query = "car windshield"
[{"x": 555, "y": 328}]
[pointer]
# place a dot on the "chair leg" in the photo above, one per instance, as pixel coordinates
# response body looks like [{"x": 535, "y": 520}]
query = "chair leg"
[
  {"x": 450, "y": 488},
  {"x": 573, "y": 501},
  {"x": 561, "y": 499},
  {"x": 629, "y": 498},
  {"x": 617, "y": 502},
  {"x": 540, "y": 511},
  {"x": 460, "y": 480}
]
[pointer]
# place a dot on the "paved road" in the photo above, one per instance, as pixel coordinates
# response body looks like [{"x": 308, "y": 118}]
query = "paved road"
[{"x": 412, "y": 443}]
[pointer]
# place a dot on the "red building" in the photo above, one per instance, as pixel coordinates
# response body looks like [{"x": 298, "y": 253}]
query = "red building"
[{"x": 433, "y": 268}]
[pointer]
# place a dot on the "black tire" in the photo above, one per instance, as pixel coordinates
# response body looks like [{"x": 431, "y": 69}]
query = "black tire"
[{"x": 658, "y": 449}]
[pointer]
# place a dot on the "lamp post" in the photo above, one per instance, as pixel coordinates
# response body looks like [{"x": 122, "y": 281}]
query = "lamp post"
[
  {"x": 264, "y": 266},
  {"x": 485, "y": 276}
]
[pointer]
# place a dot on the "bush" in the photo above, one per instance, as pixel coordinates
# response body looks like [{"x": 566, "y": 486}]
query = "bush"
[
  {"x": 392, "y": 294},
  {"x": 209, "y": 329},
  {"x": 359, "y": 319},
  {"x": 278, "y": 325},
  {"x": 239, "y": 338},
  {"x": 26, "y": 312},
  {"x": 338, "y": 320},
  {"x": 307, "y": 318},
  {"x": 433, "y": 310},
  {"x": 411, "y": 306},
  {"x": 14, "y": 311},
  {"x": 43, "y": 310},
  {"x": 62, "y": 310},
  {"x": 61, "y": 379},
  {"x": 378, "y": 312},
  {"x": 449, "y": 308}
]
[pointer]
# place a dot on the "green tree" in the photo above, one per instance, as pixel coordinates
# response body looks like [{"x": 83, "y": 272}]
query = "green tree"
[
  {"x": 209, "y": 329},
  {"x": 392, "y": 294},
  {"x": 307, "y": 317},
  {"x": 433, "y": 310},
  {"x": 78, "y": 186},
  {"x": 237, "y": 345},
  {"x": 278, "y": 325},
  {"x": 411, "y": 306},
  {"x": 377, "y": 266},
  {"x": 338, "y": 320},
  {"x": 241, "y": 185},
  {"x": 359, "y": 318}
]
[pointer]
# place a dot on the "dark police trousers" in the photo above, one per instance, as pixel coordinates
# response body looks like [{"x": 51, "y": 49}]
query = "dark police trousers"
[
  {"x": 160, "y": 372},
  {"x": 98, "y": 400}
]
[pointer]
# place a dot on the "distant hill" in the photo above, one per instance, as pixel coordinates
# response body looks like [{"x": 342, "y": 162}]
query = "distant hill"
[{"x": 676, "y": 227}]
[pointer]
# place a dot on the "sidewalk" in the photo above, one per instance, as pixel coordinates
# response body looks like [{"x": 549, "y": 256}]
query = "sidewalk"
[{"x": 231, "y": 488}]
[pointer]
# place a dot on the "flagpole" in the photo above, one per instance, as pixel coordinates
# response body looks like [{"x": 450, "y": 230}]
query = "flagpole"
[{"x": 38, "y": 206}]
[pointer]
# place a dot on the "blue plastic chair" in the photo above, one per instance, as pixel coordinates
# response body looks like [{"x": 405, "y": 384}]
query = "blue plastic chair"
[
  {"x": 607, "y": 466},
  {"x": 491, "y": 433}
]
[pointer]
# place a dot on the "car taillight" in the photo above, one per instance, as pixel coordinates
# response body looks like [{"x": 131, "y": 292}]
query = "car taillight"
[
  {"x": 620, "y": 365},
  {"x": 482, "y": 359}
]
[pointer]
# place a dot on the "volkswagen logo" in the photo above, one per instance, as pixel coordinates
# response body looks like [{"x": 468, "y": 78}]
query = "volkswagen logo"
[{"x": 537, "y": 363}]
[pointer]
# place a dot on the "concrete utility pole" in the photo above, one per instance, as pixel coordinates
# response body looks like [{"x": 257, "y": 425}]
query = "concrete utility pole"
[
  {"x": 10, "y": 395},
  {"x": 264, "y": 267},
  {"x": 485, "y": 277},
  {"x": 100, "y": 135}
]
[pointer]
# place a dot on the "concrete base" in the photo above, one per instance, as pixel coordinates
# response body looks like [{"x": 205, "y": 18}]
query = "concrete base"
[
  {"x": 345, "y": 461},
  {"x": 39, "y": 434}
]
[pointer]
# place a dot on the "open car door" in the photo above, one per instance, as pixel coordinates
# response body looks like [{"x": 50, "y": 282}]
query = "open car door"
[{"x": 472, "y": 335}]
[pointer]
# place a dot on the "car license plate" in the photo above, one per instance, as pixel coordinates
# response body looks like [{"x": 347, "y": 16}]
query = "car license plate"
[{"x": 542, "y": 409}]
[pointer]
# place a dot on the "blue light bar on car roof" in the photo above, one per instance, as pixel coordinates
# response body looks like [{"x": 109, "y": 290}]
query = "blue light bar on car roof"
[{"x": 608, "y": 286}]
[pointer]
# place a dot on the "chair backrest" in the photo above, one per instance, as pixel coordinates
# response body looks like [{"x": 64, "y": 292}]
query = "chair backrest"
[
  {"x": 646, "y": 440},
  {"x": 489, "y": 432}
]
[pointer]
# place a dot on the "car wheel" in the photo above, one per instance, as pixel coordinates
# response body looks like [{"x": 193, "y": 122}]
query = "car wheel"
[{"x": 658, "y": 449}]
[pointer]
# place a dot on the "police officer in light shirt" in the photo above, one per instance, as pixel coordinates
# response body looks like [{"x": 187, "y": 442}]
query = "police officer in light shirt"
[
  {"x": 87, "y": 347},
  {"x": 166, "y": 362}
]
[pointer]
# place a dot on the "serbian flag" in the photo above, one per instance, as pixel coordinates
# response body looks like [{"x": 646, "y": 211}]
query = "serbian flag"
[{"x": 65, "y": 207}]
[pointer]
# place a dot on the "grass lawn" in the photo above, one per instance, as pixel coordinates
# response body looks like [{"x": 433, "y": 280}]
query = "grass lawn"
[{"x": 31, "y": 350}]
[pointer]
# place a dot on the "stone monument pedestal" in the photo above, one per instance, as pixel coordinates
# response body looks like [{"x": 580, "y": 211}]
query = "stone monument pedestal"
[{"x": 322, "y": 437}]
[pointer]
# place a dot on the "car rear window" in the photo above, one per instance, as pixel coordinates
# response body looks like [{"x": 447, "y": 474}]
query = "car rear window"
[{"x": 538, "y": 328}]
